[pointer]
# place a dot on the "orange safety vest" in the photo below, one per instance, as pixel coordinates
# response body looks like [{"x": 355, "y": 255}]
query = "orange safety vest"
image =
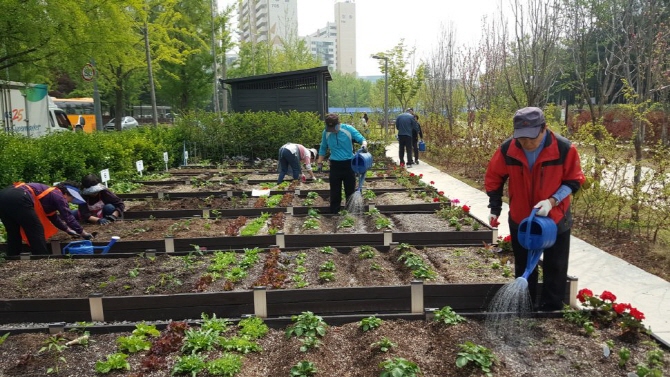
[{"x": 49, "y": 228}]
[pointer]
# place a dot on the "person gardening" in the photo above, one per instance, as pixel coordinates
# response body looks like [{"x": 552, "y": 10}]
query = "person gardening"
[
  {"x": 101, "y": 206},
  {"x": 339, "y": 138},
  {"x": 290, "y": 155},
  {"x": 35, "y": 212},
  {"x": 543, "y": 170}
]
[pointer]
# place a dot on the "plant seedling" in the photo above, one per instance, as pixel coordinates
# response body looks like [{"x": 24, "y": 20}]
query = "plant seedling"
[
  {"x": 370, "y": 323},
  {"x": 384, "y": 344},
  {"x": 481, "y": 356},
  {"x": 303, "y": 369},
  {"x": 399, "y": 367},
  {"x": 448, "y": 316},
  {"x": 114, "y": 361}
]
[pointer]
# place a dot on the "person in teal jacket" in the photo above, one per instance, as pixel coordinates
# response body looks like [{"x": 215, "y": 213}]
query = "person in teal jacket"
[{"x": 339, "y": 138}]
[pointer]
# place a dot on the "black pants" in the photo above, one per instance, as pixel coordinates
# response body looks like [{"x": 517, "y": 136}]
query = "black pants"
[
  {"x": 405, "y": 145},
  {"x": 415, "y": 147},
  {"x": 17, "y": 211},
  {"x": 340, "y": 173},
  {"x": 554, "y": 269}
]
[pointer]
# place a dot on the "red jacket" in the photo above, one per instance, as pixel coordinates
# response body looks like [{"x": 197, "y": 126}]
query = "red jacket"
[{"x": 558, "y": 164}]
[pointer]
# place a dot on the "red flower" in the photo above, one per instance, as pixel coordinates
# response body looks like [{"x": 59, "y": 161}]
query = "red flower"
[
  {"x": 636, "y": 314},
  {"x": 584, "y": 294},
  {"x": 411, "y": 174},
  {"x": 607, "y": 295},
  {"x": 619, "y": 308},
  {"x": 436, "y": 199},
  {"x": 453, "y": 201},
  {"x": 508, "y": 238},
  {"x": 420, "y": 175},
  {"x": 440, "y": 193},
  {"x": 432, "y": 182},
  {"x": 466, "y": 208}
]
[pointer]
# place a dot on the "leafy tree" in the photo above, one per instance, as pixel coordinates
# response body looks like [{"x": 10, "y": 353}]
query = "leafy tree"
[
  {"x": 346, "y": 90},
  {"x": 404, "y": 82}
]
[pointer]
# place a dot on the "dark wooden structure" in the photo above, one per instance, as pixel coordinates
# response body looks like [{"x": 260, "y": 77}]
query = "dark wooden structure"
[{"x": 303, "y": 90}]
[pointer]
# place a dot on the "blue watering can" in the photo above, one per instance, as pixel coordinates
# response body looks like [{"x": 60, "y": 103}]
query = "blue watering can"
[
  {"x": 86, "y": 247},
  {"x": 422, "y": 146},
  {"x": 360, "y": 164},
  {"x": 536, "y": 234}
]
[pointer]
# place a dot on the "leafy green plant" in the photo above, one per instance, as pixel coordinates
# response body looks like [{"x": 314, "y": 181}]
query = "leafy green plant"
[
  {"x": 417, "y": 265},
  {"x": 347, "y": 222},
  {"x": 241, "y": 345},
  {"x": 481, "y": 356},
  {"x": 228, "y": 365},
  {"x": 252, "y": 228},
  {"x": 308, "y": 343},
  {"x": 312, "y": 195},
  {"x": 307, "y": 324},
  {"x": 326, "y": 276},
  {"x": 399, "y": 367},
  {"x": 448, "y": 316},
  {"x": 366, "y": 252},
  {"x": 382, "y": 222},
  {"x": 327, "y": 250},
  {"x": 311, "y": 223},
  {"x": 252, "y": 328},
  {"x": 369, "y": 194},
  {"x": 133, "y": 343},
  {"x": 114, "y": 361},
  {"x": 144, "y": 330},
  {"x": 370, "y": 323},
  {"x": 189, "y": 364},
  {"x": 303, "y": 369},
  {"x": 313, "y": 212},
  {"x": 327, "y": 266},
  {"x": 53, "y": 344},
  {"x": 197, "y": 340},
  {"x": 383, "y": 345},
  {"x": 624, "y": 356},
  {"x": 273, "y": 200},
  {"x": 3, "y": 338},
  {"x": 217, "y": 325},
  {"x": 373, "y": 212}
]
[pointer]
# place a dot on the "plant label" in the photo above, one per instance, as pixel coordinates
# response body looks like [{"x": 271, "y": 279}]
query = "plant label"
[
  {"x": 104, "y": 176},
  {"x": 140, "y": 166}
]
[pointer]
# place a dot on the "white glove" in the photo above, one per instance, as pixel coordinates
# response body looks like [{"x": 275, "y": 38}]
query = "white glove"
[
  {"x": 544, "y": 207},
  {"x": 365, "y": 144},
  {"x": 493, "y": 220}
]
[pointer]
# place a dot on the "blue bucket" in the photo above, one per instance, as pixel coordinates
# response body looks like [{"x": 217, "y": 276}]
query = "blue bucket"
[
  {"x": 86, "y": 247},
  {"x": 422, "y": 146},
  {"x": 537, "y": 233},
  {"x": 361, "y": 162}
]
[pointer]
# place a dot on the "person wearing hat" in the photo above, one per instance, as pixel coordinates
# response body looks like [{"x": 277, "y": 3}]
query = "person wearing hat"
[
  {"x": 542, "y": 170},
  {"x": 101, "y": 206},
  {"x": 291, "y": 154},
  {"x": 339, "y": 138},
  {"x": 406, "y": 125},
  {"x": 34, "y": 212}
]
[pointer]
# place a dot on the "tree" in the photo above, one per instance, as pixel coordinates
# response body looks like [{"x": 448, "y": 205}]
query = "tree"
[
  {"x": 404, "y": 83},
  {"x": 443, "y": 77},
  {"x": 346, "y": 90}
]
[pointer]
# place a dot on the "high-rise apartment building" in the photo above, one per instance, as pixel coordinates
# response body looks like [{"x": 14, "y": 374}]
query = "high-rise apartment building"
[
  {"x": 267, "y": 20},
  {"x": 345, "y": 18}
]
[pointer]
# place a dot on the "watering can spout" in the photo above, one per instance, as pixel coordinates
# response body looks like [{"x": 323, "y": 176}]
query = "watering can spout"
[{"x": 110, "y": 244}]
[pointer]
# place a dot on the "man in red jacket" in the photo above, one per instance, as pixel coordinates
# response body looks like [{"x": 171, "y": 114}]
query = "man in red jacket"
[{"x": 543, "y": 170}]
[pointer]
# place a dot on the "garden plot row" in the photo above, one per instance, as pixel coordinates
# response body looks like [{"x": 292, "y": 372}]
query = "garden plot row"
[{"x": 274, "y": 283}]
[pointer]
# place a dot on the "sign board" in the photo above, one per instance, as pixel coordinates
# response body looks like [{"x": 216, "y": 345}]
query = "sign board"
[
  {"x": 185, "y": 157},
  {"x": 104, "y": 176},
  {"x": 165, "y": 159},
  {"x": 140, "y": 166},
  {"x": 265, "y": 192},
  {"x": 88, "y": 72}
]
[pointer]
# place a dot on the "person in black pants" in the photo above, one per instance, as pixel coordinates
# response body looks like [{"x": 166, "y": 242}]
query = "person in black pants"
[
  {"x": 339, "y": 138},
  {"x": 38, "y": 210},
  {"x": 405, "y": 123},
  {"x": 416, "y": 135}
]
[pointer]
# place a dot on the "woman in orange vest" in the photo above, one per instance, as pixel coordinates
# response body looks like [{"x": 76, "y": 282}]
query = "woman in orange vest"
[{"x": 35, "y": 212}]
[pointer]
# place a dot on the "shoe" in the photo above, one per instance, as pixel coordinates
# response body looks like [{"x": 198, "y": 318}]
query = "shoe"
[
  {"x": 416, "y": 162},
  {"x": 409, "y": 165}
]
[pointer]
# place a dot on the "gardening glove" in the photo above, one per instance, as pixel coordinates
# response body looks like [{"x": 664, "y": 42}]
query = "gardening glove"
[
  {"x": 493, "y": 220},
  {"x": 111, "y": 217},
  {"x": 544, "y": 207},
  {"x": 86, "y": 235},
  {"x": 303, "y": 178},
  {"x": 103, "y": 221}
]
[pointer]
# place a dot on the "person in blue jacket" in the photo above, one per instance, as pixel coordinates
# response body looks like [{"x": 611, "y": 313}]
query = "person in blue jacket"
[
  {"x": 339, "y": 138},
  {"x": 406, "y": 125}
]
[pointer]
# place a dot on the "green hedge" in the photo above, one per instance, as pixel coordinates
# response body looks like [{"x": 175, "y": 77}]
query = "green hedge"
[{"x": 67, "y": 155}]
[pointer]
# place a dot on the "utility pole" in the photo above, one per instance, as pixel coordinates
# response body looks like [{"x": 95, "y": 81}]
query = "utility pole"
[
  {"x": 152, "y": 88},
  {"x": 214, "y": 56}
]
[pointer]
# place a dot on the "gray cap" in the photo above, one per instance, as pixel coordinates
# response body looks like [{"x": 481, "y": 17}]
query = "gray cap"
[{"x": 528, "y": 122}]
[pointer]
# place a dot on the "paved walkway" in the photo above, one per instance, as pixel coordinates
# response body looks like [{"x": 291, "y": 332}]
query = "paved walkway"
[{"x": 594, "y": 268}]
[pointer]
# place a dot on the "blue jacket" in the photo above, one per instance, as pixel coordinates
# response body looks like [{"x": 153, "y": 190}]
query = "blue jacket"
[
  {"x": 405, "y": 123},
  {"x": 340, "y": 143}
]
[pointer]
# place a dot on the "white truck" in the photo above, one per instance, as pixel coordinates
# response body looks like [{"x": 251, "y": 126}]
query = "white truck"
[{"x": 28, "y": 110}]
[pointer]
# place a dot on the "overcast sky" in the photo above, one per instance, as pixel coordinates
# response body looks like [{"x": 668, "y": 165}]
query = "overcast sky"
[{"x": 383, "y": 23}]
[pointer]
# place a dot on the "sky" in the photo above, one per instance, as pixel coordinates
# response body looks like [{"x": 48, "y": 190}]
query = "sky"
[{"x": 381, "y": 24}]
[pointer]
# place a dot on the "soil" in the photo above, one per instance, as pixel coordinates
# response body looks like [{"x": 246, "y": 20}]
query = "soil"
[{"x": 554, "y": 347}]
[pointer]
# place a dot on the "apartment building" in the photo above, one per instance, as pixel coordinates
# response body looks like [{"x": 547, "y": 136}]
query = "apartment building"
[{"x": 267, "y": 20}]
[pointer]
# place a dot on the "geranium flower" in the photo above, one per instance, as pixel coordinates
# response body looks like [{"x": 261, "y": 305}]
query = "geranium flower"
[
  {"x": 436, "y": 199},
  {"x": 619, "y": 308},
  {"x": 453, "y": 201},
  {"x": 441, "y": 193},
  {"x": 411, "y": 174},
  {"x": 636, "y": 314},
  {"x": 420, "y": 175},
  {"x": 607, "y": 295},
  {"x": 584, "y": 294},
  {"x": 466, "y": 208},
  {"x": 432, "y": 182}
]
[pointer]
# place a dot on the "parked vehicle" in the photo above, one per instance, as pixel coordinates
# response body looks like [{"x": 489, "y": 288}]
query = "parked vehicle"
[
  {"x": 28, "y": 110},
  {"x": 127, "y": 123}
]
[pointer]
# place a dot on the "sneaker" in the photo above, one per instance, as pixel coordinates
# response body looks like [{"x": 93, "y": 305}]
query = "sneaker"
[
  {"x": 416, "y": 162},
  {"x": 409, "y": 165}
]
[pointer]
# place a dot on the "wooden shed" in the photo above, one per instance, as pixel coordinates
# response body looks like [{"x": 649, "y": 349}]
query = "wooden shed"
[{"x": 303, "y": 90}]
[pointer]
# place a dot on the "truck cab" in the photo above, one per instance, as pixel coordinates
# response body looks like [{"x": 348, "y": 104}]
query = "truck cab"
[{"x": 27, "y": 110}]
